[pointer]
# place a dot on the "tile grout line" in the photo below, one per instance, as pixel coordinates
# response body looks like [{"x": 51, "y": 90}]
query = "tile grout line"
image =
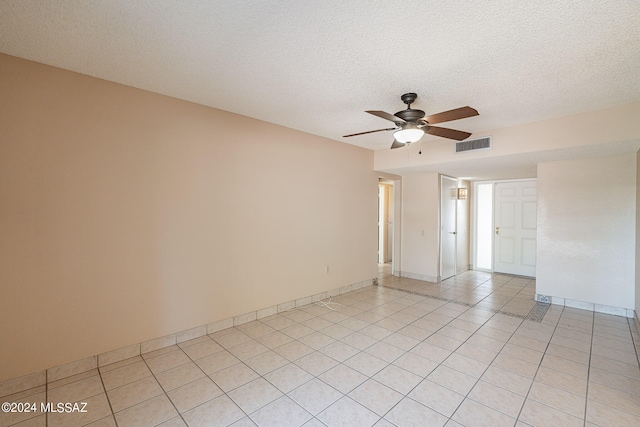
[
  {"x": 631, "y": 323},
  {"x": 46, "y": 396},
  {"x": 495, "y": 312},
  {"x": 586, "y": 393},
  {"x": 483, "y": 372},
  {"x": 165, "y": 391},
  {"x": 533, "y": 380},
  {"x": 381, "y": 340},
  {"x": 113, "y": 414},
  {"x": 225, "y": 393},
  {"x": 371, "y": 377},
  {"x": 450, "y": 418},
  {"x": 383, "y": 313}
]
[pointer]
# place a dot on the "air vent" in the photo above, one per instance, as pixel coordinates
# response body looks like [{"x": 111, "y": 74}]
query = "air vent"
[{"x": 474, "y": 144}]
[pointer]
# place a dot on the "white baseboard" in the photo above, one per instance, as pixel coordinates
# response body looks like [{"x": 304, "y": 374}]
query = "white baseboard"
[
  {"x": 598, "y": 308},
  {"x": 40, "y": 378},
  {"x": 417, "y": 276}
]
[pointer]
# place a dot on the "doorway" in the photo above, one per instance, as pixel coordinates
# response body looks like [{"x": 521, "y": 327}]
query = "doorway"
[
  {"x": 448, "y": 226},
  {"x": 385, "y": 222},
  {"x": 515, "y": 228},
  {"x": 505, "y": 227}
]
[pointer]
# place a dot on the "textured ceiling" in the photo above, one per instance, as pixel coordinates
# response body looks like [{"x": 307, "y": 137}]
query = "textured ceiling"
[{"x": 317, "y": 65}]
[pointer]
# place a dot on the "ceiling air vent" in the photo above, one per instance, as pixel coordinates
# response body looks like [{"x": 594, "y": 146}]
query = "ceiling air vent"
[{"x": 474, "y": 144}]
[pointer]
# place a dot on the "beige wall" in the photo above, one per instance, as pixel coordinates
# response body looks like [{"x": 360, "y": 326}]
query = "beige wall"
[
  {"x": 126, "y": 215},
  {"x": 420, "y": 238},
  {"x": 586, "y": 230}
]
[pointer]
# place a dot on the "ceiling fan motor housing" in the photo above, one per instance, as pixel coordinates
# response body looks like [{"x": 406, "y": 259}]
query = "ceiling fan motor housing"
[{"x": 410, "y": 115}]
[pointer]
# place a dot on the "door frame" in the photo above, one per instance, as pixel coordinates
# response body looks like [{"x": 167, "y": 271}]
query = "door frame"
[
  {"x": 395, "y": 182},
  {"x": 520, "y": 267},
  {"x": 385, "y": 221},
  {"x": 441, "y": 230},
  {"x": 474, "y": 223}
]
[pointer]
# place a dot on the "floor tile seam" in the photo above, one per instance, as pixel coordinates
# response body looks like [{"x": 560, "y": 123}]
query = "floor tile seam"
[
  {"x": 441, "y": 363},
  {"x": 626, "y": 377},
  {"x": 161, "y": 388},
  {"x": 318, "y": 350},
  {"x": 248, "y": 414},
  {"x": 202, "y": 357},
  {"x": 624, "y": 392},
  {"x": 225, "y": 393},
  {"x": 449, "y": 418},
  {"x": 613, "y": 337},
  {"x": 406, "y": 396},
  {"x": 533, "y": 379},
  {"x": 584, "y": 417},
  {"x": 614, "y": 407},
  {"x": 589, "y": 382},
  {"x": 46, "y": 395},
  {"x": 104, "y": 390},
  {"x": 463, "y": 342},
  {"x": 635, "y": 343},
  {"x": 307, "y": 382},
  {"x": 86, "y": 396},
  {"x": 495, "y": 311},
  {"x": 614, "y": 342},
  {"x": 539, "y": 364},
  {"x": 600, "y": 329},
  {"x": 633, "y": 340},
  {"x": 477, "y": 379},
  {"x": 480, "y": 403},
  {"x": 496, "y": 409}
]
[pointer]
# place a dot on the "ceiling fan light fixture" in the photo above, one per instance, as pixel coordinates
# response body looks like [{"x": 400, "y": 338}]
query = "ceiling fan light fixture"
[{"x": 408, "y": 134}]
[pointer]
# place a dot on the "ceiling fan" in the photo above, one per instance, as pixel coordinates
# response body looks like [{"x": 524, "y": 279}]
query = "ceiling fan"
[{"x": 412, "y": 124}]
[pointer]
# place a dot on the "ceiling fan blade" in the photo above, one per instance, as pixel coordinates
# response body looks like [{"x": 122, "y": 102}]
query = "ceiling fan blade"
[
  {"x": 386, "y": 116},
  {"x": 397, "y": 144},
  {"x": 370, "y": 131},
  {"x": 458, "y": 135},
  {"x": 447, "y": 116}
]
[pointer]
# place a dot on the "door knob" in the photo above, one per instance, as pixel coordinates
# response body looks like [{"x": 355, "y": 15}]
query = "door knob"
[{"x": 497, "y": 230}]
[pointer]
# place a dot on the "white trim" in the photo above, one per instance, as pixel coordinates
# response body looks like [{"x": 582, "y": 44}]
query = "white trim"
[
  {"x": 589, "y": 306},
  {"x": 440, "y": 225},
  {"x": 417, "y": 276},
  {"x": 474, "y": 223}
]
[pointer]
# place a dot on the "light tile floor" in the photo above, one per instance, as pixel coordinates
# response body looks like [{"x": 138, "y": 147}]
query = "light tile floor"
[{"x": 474, "y": 350}]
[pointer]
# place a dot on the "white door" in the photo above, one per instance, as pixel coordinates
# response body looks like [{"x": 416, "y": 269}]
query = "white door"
[
  {"x": 515, "y": 228},
  {"x": 448, "y": 201}
]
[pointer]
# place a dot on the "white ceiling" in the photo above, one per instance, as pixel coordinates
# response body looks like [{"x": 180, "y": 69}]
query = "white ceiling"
[{"x": 316, "y": 66}]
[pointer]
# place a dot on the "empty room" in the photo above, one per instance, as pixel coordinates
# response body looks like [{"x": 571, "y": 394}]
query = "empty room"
[{"x": 254, "y": 213}]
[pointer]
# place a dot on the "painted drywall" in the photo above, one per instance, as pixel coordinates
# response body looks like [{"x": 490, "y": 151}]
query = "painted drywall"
[
  {"x": 127, "y": 215},
  {"x": 586, "y": 230},
  {"x": 419, "y": 241}
]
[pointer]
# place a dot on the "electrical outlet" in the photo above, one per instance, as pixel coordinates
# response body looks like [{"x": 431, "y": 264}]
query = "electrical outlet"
[{"x": 326, "y": 269}]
